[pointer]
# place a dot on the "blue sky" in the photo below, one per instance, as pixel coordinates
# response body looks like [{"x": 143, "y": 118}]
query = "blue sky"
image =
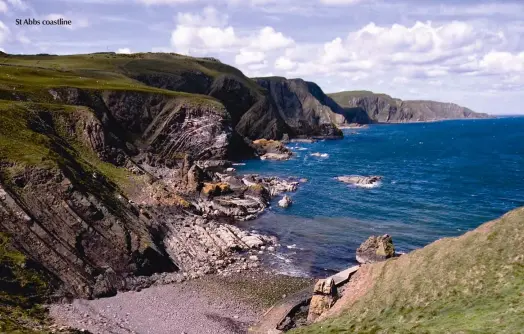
[{"x": 467, "y": 52}]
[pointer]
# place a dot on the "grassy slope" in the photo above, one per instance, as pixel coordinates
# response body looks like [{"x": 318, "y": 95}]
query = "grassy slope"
[
  {"x": 470, "y": 284},
  {"x": 21, "y": 289},
  {"x": 342, "y": 98},
  {"x": 105, "y": 71}
]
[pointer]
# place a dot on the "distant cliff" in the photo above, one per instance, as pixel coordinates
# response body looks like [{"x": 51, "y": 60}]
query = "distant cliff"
[
  {"x": 383, "y": 108},
  {"x": 306, "y": 110}
]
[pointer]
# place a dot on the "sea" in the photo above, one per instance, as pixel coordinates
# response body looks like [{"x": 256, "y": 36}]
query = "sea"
[{"x": 440, "y": 179}]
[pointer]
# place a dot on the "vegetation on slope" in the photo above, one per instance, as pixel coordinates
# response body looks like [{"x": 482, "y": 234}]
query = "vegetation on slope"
[
  {"x": 22, "y": 287},
  {"x": 106, "y": 71},
  {"x": 342, "y": 98},
  {"x": 470, "y": 284}
]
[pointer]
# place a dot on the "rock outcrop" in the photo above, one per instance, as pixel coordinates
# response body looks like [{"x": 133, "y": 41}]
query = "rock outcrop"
[
  {"x": 306, "y": 110},
  {"x": 361, "y": 181},
  {"x": 376, "y": 249},
  {"x": 285, "y": 202},
  {"x": 382, "y": 108},
  {"x": 324, "y": 297},
  {"x": 272, "y": 149}
]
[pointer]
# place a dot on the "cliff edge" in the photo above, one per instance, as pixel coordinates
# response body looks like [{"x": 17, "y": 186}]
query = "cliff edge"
[{"x": 382, "y": 108}]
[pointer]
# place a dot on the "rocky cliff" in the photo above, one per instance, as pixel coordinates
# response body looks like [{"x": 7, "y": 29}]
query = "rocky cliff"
[
  {"x": 306, "y": 110},
  {"x": 383, "y": 108},
  {"x": 109, "y": 180}
]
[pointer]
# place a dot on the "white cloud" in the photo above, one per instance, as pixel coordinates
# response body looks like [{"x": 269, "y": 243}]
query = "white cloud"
[
  {"x": 502, "y": 62},
  {"x": 18, "y": 4},
  {"x": 249, "y": 57},
  {"x": 165, "y": 2},
  {"x": 268, "y": 39},
  {"x": 340, "y": 2},
  {"x": 124, "y": 50},
  {"x": 4, "y": 32},
  {"x": 284, "y": 64},
  {"x": 202, "y": 39},
  {"x": 210, "y": 17},
  {"x": 3, "y": 7},
  {"x": 23, "y": 39},
  {"x": 208, "y": 32}
]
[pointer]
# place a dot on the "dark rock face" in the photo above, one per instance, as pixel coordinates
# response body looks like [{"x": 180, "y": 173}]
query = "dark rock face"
[
  {"x": 75, "y": 233},
  {"x": 303, "y": 106},
  {"x": 163, "y": 127},
  {"x": 376, "y": 249},
  {"x": 382, "y": 108},
  {"x": 252, "y": 113},
  {"x": 124, "y": 196}
]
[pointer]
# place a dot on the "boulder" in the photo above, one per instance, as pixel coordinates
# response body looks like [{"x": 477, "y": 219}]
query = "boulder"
[
  {"x": 359, "y": 180},
  {"x": 276, "y": 156},
  {"x": 195, "y": 177},
  {"x": 325, "y": 295},
  {"x": 216, "y": 189},
  {"x": 376, "y": 249},
  {"x": 285, "y": 202},
  {"x": 272, "y": 150}
]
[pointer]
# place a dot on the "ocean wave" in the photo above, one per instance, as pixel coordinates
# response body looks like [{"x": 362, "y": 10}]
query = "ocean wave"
[
  {"x": 284, "y": 266},
  {"x": 367, "y": 186},
  {"x": 320, "y": 155},
  {"x": 239, "y": 164}
]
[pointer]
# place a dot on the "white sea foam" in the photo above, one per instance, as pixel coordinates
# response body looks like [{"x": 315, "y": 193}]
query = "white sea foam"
[
  {"x": 285, "y": 266},
  {"x": 368, "y": 186},
  {"x": 320, "y": 155},
  {"x": 239, "y": 164},
  {"x": 302, "y": 148},
  {"x": 291, "y": 246}
]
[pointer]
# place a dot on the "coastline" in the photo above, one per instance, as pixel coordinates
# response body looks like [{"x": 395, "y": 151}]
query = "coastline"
[{"x": 215, "y": 304}]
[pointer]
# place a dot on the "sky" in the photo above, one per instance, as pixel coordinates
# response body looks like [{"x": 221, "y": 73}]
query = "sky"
[{"x": 468, "y": 52}]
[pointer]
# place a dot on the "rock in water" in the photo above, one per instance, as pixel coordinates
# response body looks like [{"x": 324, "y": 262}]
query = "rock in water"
[
  {"x": 285, "y": 202},
  {"x": 362, "y": 181},
  {"x": 324, "y": 297},
  {"x": 376, "y": 249}
]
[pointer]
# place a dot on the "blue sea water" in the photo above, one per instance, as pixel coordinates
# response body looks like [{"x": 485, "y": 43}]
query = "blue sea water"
[{"x": 439, "y": 179}]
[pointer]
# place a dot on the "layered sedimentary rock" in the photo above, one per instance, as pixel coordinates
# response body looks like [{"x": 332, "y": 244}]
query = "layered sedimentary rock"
[
  {"x": 382, "y": 108},
  {"x": 306, "y": 110}
]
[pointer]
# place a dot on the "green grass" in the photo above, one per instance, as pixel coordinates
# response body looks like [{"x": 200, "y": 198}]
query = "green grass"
[
  {"x": 27, "y": 140},
  {"x": 22, "y": 288},
  {"x": 342, "y": 97},
  {"x": 106, "y": 71},
  {"x": 470, "y": 284}
]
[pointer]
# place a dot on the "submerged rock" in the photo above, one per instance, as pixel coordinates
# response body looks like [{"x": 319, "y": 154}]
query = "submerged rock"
[
  {"x": 376, "y": 249},
  {"x": 325, "y": 295},
  {"x": 275, "y": 156},
  {"x": 358, "y": 180},
  {"x": 285, "y": 202}
]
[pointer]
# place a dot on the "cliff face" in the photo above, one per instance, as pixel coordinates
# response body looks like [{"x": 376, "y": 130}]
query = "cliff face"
[
  {"x": 382, "y": 108},
  {"x": 305, "y": 108},
  {"x": 252, "y": 113},
  {"x": 104, "y": 178}
]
